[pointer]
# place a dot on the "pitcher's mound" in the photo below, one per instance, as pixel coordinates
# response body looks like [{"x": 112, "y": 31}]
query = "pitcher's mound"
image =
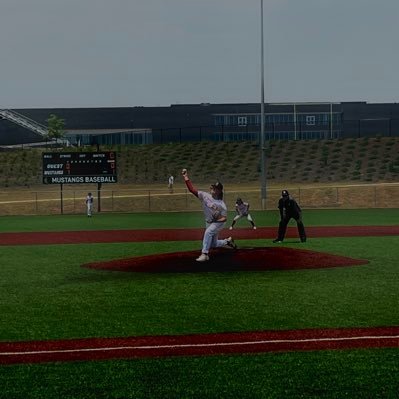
[{"x": 222, "y": 260}]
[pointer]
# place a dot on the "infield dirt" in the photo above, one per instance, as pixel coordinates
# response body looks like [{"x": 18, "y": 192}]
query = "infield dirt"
[{"x": 204, "y": 344}]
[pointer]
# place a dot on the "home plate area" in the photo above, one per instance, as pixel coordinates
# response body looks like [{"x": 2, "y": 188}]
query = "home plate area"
[{"x": 225, "y": 260}]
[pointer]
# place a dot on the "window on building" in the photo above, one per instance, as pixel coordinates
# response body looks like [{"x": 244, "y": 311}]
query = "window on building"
[
  {"x": 310, "y": 120},
  {"x": 242, "y": 121}
]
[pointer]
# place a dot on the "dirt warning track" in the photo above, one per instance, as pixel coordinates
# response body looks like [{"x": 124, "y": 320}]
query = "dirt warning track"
[{"x": 198, "y": 344}]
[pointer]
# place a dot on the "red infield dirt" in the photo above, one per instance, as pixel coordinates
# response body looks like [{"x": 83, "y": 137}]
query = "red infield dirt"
[
  {"x": 223, "y": 260},
  {"x": 198, "y": 345},
  {"x": 104, "y": 236},
  {"x": 275, "y": 257}
]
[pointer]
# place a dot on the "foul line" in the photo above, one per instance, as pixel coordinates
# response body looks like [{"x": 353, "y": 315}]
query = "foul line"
[{"x": 216, "y": 344}]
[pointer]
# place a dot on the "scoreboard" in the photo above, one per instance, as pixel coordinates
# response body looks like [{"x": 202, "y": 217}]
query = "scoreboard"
[{"x": 79, "y": 167}]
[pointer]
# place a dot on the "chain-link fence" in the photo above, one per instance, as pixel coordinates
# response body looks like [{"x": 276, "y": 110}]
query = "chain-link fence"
[{"x": 72, "y": 201}]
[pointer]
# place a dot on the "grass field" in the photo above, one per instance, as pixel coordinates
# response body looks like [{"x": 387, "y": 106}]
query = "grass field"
[{"x": 46, "y": 294}]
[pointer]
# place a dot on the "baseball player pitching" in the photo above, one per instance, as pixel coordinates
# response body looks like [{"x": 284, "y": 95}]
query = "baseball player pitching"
[
  {"x": 215, "y": 212},
  {"x": 242, "y": 209}
]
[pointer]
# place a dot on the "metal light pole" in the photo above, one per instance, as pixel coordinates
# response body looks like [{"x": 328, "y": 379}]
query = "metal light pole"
[{"x": 262, "y": 116}]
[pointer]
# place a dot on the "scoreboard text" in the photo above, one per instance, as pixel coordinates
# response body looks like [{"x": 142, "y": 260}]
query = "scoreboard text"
[{"x": 79, "y": 167}]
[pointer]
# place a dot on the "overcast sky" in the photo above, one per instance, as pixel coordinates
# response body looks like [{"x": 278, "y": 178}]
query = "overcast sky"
[{"x": 117, "y": 53}]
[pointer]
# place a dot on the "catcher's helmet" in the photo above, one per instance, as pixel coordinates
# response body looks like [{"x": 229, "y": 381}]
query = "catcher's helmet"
[{"x": 285, "y": 193}]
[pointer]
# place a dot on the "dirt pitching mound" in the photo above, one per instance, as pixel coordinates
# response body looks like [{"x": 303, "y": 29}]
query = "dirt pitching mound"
[{"x": 244, "y": 259}]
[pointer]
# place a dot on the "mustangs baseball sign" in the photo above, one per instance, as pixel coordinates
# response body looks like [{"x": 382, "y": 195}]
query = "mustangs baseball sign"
[{"x": 79, "y": 167}]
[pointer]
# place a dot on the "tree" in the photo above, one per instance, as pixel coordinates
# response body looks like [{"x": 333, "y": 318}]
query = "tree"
[{"x": 55, "y": 127}]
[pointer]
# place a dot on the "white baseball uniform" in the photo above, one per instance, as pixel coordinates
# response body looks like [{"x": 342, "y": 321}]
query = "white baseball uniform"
[
  {"x": 243, "y": 211},
  {"x": 89, "y": 205},
  {"x": 215, "y": 212}
]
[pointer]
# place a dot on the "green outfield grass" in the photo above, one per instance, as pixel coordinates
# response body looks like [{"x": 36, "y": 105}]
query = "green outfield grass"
[
  {"x": 327, "y": 374},
  {"x": 46, "y": 294},
  {"x": 115, "y": 221}
]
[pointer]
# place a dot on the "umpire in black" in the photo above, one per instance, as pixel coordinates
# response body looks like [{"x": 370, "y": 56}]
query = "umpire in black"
[{"x": 289, "y": 208}]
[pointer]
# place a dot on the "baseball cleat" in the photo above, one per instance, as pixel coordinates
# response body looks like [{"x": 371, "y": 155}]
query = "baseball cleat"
[
  {"x": 203, "y": 258},
  {"x": 254, "y": 227},
  {"x": 230, "y": 243},
  {"x": 277, "y": 241},
  {"x": 231, "y": 228}
]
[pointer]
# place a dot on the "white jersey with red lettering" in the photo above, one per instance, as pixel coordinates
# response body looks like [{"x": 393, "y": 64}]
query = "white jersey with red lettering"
[{"x": 214, "y": 209}]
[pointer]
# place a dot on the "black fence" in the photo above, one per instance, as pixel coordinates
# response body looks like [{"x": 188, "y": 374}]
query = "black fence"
[
  {"x": 280, "y": 131},
  {"x": 385, "y": 127},
  {"x": 273, "y": 131}
]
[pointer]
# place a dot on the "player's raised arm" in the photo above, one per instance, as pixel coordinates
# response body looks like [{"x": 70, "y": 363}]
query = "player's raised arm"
[{"x": 189, "y": 185}]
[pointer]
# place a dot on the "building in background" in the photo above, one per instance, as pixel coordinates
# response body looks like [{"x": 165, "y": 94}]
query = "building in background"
[{"x": 206, "y": 122}]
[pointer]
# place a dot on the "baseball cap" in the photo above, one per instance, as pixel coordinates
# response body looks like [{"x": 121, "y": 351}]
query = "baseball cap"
[
  {"x": 217, "y": 186},
  {"x": 285, "y": 193}
]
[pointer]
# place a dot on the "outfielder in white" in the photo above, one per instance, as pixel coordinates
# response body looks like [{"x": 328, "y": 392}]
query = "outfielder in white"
[
  {"x": 215, "y": 212},
  {"x": 171, "y": 180},
  {"x": 89, "y": 204},
  {"x": 242, "y": 209}
]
